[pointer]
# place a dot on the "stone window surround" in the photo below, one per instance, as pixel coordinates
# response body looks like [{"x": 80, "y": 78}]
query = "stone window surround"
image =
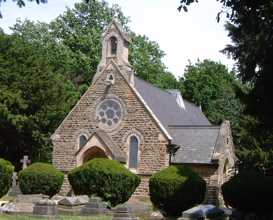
[
  {"x": 79, "y": 140},
  {"x": 78, "y": 134},
  {"x": 123, "y": 112},
  {"x": 139, "y": 137}
]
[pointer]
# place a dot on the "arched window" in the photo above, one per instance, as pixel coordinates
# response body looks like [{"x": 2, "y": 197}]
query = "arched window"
[
  {"x": 114, "y": 45},
  {"x": 82, "y": 141},
  {"x": 133, "y": 152}
]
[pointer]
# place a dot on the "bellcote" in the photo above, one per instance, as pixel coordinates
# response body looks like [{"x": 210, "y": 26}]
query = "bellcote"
[{"x": 115, "y": 45}]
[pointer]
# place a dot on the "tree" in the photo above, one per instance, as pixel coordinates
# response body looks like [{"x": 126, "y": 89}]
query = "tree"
[
  {"x": 22, "y": 3},
  {"x": 250, "y": 29},
  {"x": 211, "y": 85},
  {"x": 146, "y": 59},
  {"x": 33, "y": 100}
]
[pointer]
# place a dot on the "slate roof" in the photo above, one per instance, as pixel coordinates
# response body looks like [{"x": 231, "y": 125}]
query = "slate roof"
[
  {"x": 189, "y": 127},
  {"x": 197, "y": 144},
  {"x": 164, "y": 106}
]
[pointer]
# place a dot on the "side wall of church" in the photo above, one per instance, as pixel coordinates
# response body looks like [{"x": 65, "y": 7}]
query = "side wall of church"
[
  {"x": 211, "y": 175},
  {"x": 136, "y": 120}
]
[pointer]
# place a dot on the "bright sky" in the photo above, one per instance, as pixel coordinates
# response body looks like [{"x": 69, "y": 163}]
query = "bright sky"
[{"x": 182, "y": 36}]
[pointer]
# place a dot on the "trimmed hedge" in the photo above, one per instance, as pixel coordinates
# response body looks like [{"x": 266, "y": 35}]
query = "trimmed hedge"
[
  {"x": 6, "y": 171},
  {"x": 249, "y": 191},
  {"x": 105, "y": 178},
  {"x": 41, "y": 178},
  {"x": 175, "y": 189}
]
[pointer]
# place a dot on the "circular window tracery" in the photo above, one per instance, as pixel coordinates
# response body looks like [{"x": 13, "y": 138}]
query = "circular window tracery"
[{"x": 109, "y": 113}]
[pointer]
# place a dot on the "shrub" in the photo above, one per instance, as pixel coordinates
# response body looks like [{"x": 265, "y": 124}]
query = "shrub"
[
  {"x": 6, "y": 171},
  {"x": 105, "y": 178},
  {"x": 175, "y": 189},
  {"x": 249, "y": 191},
  {"x": 40, "y": 178}
]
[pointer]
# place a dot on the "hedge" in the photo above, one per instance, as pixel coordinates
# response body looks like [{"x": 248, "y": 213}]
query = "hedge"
[
  {"x": 105, "y": 178},
  {"x": 249, "y": 191},
  {"x": 6, "y": 171},
  {"x": 40, "y": 178},
  {"x": 175, "y": 189}
]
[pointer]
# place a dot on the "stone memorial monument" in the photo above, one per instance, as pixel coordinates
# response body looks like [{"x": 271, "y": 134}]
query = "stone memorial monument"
[
  {"x": 123, "y": 213},
  {"x": 45, "y": 207},
  {"x": 95, "y": 206}
]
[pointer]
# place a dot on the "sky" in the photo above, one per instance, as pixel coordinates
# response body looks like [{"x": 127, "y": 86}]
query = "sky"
[{"x": 182, "y": 36}]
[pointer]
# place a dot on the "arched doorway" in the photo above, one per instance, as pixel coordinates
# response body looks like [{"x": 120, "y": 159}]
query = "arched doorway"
[{"x": 93, "y": 152}]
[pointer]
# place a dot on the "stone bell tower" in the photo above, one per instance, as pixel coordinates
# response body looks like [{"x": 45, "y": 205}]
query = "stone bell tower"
[{"x": 115, "y": 47}]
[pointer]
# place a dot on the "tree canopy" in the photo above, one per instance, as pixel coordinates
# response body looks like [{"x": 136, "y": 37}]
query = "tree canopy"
[{"x": 33, "y": 99}]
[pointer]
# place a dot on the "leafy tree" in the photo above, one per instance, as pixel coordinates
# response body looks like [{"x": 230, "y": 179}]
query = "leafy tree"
[
  {"x": 211, "y": 85},
  {"x": 146, "y": 59},
  {"x": 33, "y": 100},
  {"x": 250, "y": 29}
]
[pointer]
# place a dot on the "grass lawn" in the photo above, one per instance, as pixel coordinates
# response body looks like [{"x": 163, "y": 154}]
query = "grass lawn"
[{"x": 14, "y": 217}]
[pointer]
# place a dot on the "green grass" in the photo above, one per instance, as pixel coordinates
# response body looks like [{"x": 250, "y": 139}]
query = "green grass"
[{"x": 14, "y": 217}]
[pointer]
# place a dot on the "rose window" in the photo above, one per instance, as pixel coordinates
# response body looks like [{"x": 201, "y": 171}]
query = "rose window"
[{"x": 109, "y": 113}]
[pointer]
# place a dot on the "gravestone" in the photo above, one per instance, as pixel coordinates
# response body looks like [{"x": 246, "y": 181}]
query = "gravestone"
[
  {"x": 45, "y": 207},
  {"x": 25, "y": 203},
  {"x": 25, "y": 161},
  {"x": 72, "y": 205},
  {"x": 94, "y": 206},
  {"x": 123, "y": 213},
  {"x": 15, "y": 190},
  {"x": 202, "y": 212}
]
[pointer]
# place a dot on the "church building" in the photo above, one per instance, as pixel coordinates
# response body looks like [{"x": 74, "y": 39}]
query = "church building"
[{"x": 124, "y": 118}]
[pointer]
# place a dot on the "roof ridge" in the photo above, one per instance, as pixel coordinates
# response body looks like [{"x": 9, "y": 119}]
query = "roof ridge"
[{"x": 194, "y": 126}]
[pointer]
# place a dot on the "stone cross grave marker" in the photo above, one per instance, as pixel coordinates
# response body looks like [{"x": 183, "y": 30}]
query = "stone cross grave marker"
[
  {"x": 25, "y": 161},
  {"x": 14, "y": 179},
  {"x": 15, "y": 190}
]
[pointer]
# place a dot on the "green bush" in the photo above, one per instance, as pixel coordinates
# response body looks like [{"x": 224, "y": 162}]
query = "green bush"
[
  {"x": 175, "y": 189},
  {"x": 105, "y": 178},
  {"x": 249, "y": 191},
  {"x": 6, "y": 171},
  {"x": 40, "y": 178}
]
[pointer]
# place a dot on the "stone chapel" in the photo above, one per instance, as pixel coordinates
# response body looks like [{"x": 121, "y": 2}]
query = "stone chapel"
[{"x": 124, "y": 118}]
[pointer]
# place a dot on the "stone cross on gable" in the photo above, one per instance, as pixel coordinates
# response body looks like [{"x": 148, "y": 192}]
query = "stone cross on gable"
[{"x": 25, "y": 161}]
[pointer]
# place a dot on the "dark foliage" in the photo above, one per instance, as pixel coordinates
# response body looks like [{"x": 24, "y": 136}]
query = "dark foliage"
[
  {"x": 6, "y": 171},
  {"x": 176, "y": 189},
  {"x": 105, "y": 178},
  {"x": 250, "y": 191},
  {"x": 41, "y": 178}
]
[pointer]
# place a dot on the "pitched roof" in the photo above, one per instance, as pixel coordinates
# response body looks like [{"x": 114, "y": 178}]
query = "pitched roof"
[
  {"x": 165, "y": 107},
  {"x": 197, "y": 143},
  {"x": 188, "y": 127},
  {"x": 117, "y": 153}
]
